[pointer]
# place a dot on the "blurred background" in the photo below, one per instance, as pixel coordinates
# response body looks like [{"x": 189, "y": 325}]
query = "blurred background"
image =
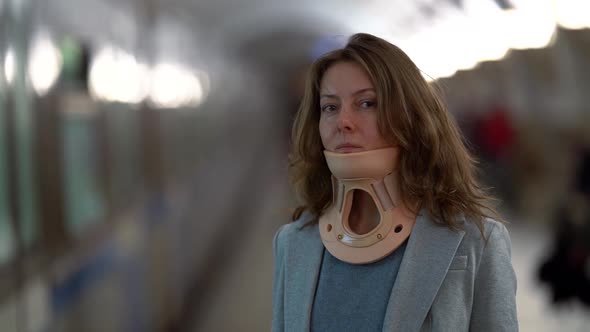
[{"x": 143, "y": 148}]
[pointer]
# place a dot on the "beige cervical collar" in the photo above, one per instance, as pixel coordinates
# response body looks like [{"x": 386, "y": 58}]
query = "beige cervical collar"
[{"x": 373, "y": 172}]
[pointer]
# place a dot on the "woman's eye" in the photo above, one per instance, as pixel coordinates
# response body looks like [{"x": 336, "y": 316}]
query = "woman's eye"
[
  {"x": 368, "y": 104},
  {"x": 328, "y": 108}
]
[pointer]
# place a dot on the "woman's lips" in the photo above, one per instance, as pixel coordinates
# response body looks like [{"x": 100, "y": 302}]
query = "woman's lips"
[{"x": 348, "y": 148}]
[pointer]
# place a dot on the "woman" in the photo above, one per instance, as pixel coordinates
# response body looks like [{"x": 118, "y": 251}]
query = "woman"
[{"x": 395, "y": 233}]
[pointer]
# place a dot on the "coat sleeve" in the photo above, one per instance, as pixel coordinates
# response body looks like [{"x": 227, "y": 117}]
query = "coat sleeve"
[
  {"x": 494, "y": 302},
  {"x": 278, "y": 283}
]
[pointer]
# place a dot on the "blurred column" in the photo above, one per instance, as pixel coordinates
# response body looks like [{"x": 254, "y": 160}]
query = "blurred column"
[
  {"x": 22, "y": 179},
  {"x": 22, "y": 176},
  {"x": 7, "y": 235},
  {"x": 9, "y": 304},
  {"x": 151, "y": 129}
]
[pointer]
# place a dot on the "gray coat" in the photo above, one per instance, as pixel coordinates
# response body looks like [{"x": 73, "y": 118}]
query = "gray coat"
[{"x": 448, "y": 280}]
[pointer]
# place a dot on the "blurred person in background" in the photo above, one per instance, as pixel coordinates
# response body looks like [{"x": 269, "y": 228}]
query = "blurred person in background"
[
  {"x": 395, "y": 233},
  {"x": 567, "y": 270}
]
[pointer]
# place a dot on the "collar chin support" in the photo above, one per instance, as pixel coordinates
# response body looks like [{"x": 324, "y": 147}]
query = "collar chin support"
[{"x": 372, "y": 172}]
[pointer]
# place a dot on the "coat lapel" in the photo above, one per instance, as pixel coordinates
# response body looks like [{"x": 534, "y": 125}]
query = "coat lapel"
[
  {"x": 428, "y": 255},
  {"x": 302, "y": 273}
]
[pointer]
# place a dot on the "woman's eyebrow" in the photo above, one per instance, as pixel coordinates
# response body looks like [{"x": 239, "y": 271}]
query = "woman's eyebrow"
[
  {"x": 363, "y": 90},
  {"x": 354, "y": 93},
  {"x": 328, "y": 96}
]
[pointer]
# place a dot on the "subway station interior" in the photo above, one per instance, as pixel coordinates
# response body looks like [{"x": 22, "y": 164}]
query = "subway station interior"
[{"x": 144, "y": 149}]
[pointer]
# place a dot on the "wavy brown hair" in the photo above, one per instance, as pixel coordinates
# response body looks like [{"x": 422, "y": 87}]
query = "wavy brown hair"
[{"x": 436, "y": 170}]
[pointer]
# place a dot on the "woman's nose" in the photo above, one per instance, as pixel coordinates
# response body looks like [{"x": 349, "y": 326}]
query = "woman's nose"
[{"x": 346, "y": 120}]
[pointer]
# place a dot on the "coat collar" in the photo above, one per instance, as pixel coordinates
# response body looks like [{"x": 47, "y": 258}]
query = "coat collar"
[{"x": 430, "y": 250}]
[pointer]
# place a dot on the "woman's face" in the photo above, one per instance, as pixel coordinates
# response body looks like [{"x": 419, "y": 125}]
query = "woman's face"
[{"x": 348, "y": 106}]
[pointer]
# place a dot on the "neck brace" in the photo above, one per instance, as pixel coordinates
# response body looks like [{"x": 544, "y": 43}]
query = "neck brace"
[{"x": 373, "y": 172}]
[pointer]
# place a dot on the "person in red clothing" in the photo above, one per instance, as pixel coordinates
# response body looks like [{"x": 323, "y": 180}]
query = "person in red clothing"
[{"x": 494, "y": 138}]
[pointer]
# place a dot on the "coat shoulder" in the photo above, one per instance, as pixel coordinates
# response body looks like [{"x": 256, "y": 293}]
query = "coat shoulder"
[
  {"x": 293, "y": 229},
  {"x": 491, "y": 229}
]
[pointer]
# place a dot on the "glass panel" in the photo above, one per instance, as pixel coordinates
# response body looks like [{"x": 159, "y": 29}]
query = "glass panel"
[
  {"x": 84, "y": 199},
  {"x": 125, "y": 155}
]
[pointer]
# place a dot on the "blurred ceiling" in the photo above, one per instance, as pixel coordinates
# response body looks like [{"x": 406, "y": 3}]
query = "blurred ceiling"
[
  {"x": 277, "y": 34},
  {"x": 254, "y": 42},
  {"x": 191, "y": 31},
  {"x": 230, "y": 21}
]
